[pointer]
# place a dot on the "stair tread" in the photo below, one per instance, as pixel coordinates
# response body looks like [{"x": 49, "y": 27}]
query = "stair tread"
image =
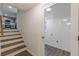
[
  {"x": 12, "y": 50},
  {"x": 9, "y": 35},
  {"x": 11, "y": 44},
  {"x": 14, "y": 43},
  {"x": 23, "y": 53},
  {"x": 11, "y": 39}
]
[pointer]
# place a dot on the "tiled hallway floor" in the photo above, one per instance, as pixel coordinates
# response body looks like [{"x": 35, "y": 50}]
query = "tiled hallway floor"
[{"x": 52, "y": 51}]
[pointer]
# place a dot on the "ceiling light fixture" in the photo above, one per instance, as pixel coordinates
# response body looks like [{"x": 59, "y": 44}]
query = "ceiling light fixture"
[
  {"x": 65, "y": 20},
  {"x": 9, "y": 6},
  {"x": 69, "y": 23},
  {"x": 48, "y": 9}
]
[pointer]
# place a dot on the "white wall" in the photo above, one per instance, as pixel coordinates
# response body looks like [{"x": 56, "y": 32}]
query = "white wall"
[
  {"x": 19, "y": 19},
  {"x": 57, "y": 28},
  {"x": 0, "y": 9},
  {"x": 32, "y": 30},
  {"x": 78, "y": 30}
]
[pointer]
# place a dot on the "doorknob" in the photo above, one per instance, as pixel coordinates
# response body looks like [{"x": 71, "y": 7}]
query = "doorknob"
[
  {"x": 57, "y": 41},
  {"x": 42, "y": 37}
]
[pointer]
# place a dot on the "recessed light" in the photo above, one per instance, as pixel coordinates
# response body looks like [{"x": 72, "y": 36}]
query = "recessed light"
[
  {"x": 69, "y": 23},
  {"x": 48, "y": 9},
  {"x": 9, "y": 6},
  {"x": 65, "y": 20}
]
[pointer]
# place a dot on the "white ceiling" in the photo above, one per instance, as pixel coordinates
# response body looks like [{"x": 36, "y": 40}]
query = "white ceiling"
[
  {"x": 22, "y": 6},
  {"x": 7, "y": 10}
]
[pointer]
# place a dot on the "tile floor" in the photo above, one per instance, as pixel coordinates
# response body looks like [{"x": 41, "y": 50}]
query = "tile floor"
[{"x": 52, "y": 51}]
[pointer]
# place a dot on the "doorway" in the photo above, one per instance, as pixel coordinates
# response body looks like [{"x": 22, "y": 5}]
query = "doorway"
[
  {"x": 9, "y": 17},
  {"x": 57, "y": 29}
]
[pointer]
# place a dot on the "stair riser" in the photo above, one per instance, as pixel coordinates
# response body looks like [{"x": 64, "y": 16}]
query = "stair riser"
[
  {"x": 10, "y": 33},
  {"x": 16, "y": 52},
  {"x": 10, "y": 30},
  {"x": 11, "y": 43},
  {"x": 12, "y": 50},
  {"x": 8, "y": 48},
  {"x": 16, "y": 38},
  {"x": 8, "y": 42},
  {"x": 9, "y": 37}
]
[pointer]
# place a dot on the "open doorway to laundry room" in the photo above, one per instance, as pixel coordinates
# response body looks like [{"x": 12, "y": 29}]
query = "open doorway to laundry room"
[{"x": 57, "y": 29}]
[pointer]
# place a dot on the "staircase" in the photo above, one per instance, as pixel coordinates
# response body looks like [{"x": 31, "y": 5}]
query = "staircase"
[{"x": 12, "y": 43}]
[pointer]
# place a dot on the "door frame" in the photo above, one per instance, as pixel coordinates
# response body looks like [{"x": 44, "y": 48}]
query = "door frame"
[
  {"x": 44, "y": 6},
  {"x": 74, "y": 27}
]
